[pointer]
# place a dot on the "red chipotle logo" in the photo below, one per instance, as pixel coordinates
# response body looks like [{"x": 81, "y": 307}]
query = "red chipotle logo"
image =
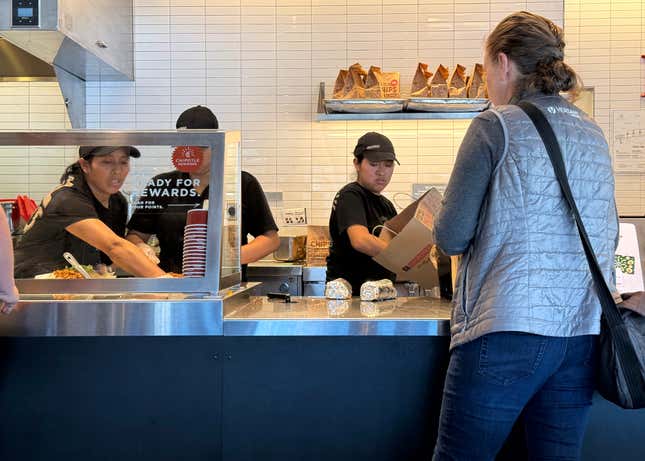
[{"x": 187, "y": 158}]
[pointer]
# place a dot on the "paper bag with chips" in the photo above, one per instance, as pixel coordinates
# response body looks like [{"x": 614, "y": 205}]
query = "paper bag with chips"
[
  {"x": 477, "y": 83},
  {"x": 439, "y": 83},
  {"x": 318, "y": 242},
  {"x": 391, "y": 87},
  {"x": 457, "y": 86},
  {"x": 374, "y": 83},
  {"x": 420, "y": 87},
  {"x": 355, "y": 83},
  {"x": 340, "y": 84}
]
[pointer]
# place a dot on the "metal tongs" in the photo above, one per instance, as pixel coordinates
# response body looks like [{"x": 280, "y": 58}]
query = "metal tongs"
[{"x": 75, "y": 264}]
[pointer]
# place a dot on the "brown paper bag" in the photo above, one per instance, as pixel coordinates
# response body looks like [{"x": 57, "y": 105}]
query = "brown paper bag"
[
  {"x": 439, "y": 83},
  {"x": 411, "y": 252},
  {"x": 318, "y": 242},
  {"x": 340, "y": 84},
  {"x": 374, "y": 83},
  {"x": 483, "y": 91},
  {"x": 354, "y": 87},
  {"x": 477, "y": 83},
  {"x": 420, "y": 87},
  {"x": 457, "y": 87},
  {"x": 391, "y": 85}
]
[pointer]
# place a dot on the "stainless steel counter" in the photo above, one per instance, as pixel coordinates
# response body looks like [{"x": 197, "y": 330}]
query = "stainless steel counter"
[
  {"x": 121, "y": 315},
  {"x": 234, "y": 312},
  {"x": 114, "y": 318},
  {"x": 321, "y": 317}
]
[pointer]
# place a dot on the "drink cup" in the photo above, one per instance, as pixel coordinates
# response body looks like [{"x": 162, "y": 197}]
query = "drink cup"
[{"x": 197, "y": 217}]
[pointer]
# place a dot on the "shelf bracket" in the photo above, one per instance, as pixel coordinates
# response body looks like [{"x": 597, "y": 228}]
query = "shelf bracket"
[{"x": 321, "y": 98}]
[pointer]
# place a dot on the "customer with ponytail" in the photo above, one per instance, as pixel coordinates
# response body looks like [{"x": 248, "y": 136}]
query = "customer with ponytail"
[
  {"x": 526, "y": 317},
  {"x": 86, "y": 216}
]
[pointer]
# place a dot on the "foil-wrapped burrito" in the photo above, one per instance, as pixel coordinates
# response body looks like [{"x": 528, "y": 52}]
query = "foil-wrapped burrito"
[
  {"x": 338, "y": 289},
  {"x": 337, "y": 307},
  {"x": 378, "y": 290},
  {"x": 376, "y": 309},
  {"x": 369, "y": 309}
]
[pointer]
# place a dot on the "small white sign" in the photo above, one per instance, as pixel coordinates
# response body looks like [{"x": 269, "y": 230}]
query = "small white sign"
[
  {"x": 629, "y": 275},
  {"x": 294, "y": 216}
]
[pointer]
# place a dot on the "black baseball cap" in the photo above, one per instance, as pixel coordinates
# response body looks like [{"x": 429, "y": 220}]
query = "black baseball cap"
[
  {"x": 376, "y": 147},
  {"x": 97, "y": 151},
  {"x": 197, "y": 118}
]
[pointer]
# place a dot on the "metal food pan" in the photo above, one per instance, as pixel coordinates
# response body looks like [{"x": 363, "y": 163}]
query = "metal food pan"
[
  {"x": 364, "y": 106},
  {"x": 447, "y": 104}
]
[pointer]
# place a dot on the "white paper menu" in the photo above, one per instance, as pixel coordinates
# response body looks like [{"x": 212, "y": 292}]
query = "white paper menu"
[
  {"x": 628, "y": 149},
  {"x": 629, "y": 275}
]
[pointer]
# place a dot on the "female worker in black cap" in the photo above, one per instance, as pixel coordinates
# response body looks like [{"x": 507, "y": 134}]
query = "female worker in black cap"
[
  {"x": 358, "y": 210},
  {"x": 86, "y": 216}
]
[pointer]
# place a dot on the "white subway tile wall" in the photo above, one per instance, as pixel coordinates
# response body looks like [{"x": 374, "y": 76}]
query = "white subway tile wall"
[
  {"x": 36, "y": 106},
  {"x": 605, "y": 44},
  {"x": 258, "y": 65}
]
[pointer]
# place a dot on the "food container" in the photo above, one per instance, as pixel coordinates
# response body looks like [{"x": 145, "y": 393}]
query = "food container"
[
  {"x": 447, "y": 105},
  {"x": 364, "y": 106},
  {"x": 291, "y": 248}
]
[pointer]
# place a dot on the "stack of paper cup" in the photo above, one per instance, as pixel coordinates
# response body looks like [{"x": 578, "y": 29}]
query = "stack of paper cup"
[{"x": 194, "y": 258}]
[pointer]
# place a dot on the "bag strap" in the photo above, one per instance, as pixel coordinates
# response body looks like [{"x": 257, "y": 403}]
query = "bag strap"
[{"x": 612, "y": 317}]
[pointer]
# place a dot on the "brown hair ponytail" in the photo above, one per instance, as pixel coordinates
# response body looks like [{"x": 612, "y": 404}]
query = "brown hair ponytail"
[{"x": 536, "y": 46}]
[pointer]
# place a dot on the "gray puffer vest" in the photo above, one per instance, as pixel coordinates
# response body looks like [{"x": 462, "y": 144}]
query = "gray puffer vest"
[{"x": 525, "y": 269}]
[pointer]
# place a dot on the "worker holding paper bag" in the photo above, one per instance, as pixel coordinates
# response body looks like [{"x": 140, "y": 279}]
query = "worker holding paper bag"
[{"x": 359, "y": 211}]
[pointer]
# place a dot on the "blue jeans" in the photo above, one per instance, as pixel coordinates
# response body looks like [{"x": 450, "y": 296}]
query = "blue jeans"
[{"x": 497, "y": 377}]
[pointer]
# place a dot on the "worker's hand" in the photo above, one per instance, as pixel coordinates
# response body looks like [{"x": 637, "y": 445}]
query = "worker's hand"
[
  {"x": 9, "y": 301},
  {"x": 149, "y": 252}
]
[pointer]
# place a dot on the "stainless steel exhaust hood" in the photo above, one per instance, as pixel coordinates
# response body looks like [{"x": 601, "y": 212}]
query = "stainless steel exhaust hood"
[
  {"x": 16, "y": 64},
  {"x": 74, "y": 40}
]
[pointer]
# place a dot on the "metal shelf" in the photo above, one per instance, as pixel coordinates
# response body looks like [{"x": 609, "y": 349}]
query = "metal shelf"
[
  {"x": 322, "y": 116},
  {"x": 398, "y": 116}
]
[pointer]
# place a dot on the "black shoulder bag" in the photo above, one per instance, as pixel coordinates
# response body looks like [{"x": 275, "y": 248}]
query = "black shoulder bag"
[{"x": 621, "y": 377}]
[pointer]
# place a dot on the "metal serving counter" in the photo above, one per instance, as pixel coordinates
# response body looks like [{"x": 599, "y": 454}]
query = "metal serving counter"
[
  {"x": 232, "y": 313},
  {"x": 131, "y": 317},
  {"x": 322, "y": 317}
]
